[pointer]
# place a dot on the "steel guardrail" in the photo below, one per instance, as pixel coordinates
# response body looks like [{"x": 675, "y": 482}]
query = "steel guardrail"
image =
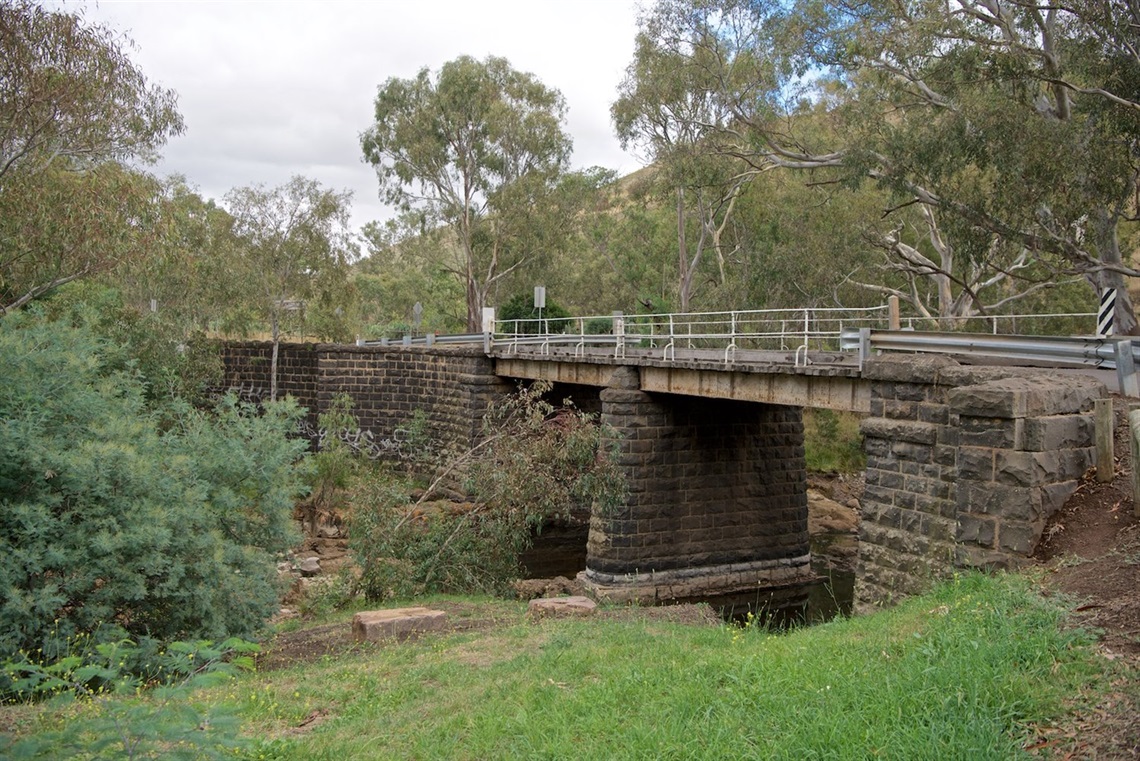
[{"x": 1088, "y": 351}]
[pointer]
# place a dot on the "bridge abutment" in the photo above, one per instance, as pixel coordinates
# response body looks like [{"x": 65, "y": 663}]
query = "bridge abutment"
[
  {"x": 717, "y": 498},
  {"x": 964, "y": 467}
]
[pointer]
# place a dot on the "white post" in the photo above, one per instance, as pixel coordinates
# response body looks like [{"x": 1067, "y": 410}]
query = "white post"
[{"x": 1126, "y": 369}]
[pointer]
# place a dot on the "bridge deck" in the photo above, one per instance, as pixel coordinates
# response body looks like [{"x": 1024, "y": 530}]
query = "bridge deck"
[{"x": 828, "y": 380}]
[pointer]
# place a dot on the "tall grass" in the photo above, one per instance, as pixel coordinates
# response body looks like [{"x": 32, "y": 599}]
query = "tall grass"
[
  {"x": 832, "y": 442},
  {"x": 962, "y": 673}
]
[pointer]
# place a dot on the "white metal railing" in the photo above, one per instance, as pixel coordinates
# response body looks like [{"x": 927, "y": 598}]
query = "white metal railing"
[{"x": 798, "y": 330}]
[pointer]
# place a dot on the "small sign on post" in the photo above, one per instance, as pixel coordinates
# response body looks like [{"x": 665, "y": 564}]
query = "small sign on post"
[
  {"x": 417, "y": 317},
  {"x": 540, "y": 297}
]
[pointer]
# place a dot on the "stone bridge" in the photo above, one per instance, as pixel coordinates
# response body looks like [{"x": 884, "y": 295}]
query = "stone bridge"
[{"x": 964, "y": 463}]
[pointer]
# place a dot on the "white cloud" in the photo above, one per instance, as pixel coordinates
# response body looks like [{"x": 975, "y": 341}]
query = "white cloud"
[{"x": 273, "y": 89}]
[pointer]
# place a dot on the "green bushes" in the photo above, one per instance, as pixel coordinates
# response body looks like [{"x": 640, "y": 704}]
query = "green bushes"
[
  {"x": 521, "y": 307},
  {"x": 112, "y": 527},
  {"x": 113, "y": 716},
  {"x": 832, "y": 442},
  {"x": 536, "y": 460}
]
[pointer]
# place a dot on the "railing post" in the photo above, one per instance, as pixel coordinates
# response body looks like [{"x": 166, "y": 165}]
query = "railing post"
[
  {"x": 864, "y": 346},
  {"x": 1134, "y": 439},
  {"x": 1126, "y": 369},
  {"x": 893, "y": 313},
  {"x": 619, "y": 334}
]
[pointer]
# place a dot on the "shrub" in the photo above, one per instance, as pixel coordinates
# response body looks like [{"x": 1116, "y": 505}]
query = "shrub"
[
  {"x": 117, "y": 718},
  {"x": 111, "y": 527},
  {"x": 521, "y": 307},
  {"x": 535, "y": 461},
  {"x": 832, "y": 442}
]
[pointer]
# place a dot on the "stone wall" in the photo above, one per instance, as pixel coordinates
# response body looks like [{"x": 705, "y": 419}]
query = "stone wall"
[
  {"x": 717, "y": 498},
  {"x": 388, "y": 384},
  {"x": 964, "y": 466},
  {"x": 247, "y": 366}
]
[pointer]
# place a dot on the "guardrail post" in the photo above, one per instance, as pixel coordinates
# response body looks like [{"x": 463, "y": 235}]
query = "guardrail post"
[
  {"x": 864, "y": 346},
  {"x": 893, "y": 313},
  {"x": 1126, "y": 369},
  {"x": 619, "y": 335}
]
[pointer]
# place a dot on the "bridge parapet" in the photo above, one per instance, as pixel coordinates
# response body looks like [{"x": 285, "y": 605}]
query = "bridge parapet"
[{"x": 964, "y": 466}]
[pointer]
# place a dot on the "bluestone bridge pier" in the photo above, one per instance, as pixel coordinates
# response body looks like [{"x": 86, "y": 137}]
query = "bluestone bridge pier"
[{"x": 964, "y": 463}]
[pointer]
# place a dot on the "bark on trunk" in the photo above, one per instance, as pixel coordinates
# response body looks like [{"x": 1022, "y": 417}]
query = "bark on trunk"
[{"x": 273, "y": 360}]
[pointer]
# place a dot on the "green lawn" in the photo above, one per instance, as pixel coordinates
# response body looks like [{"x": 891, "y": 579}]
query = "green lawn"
[
  {"x": 962, "y": 673},
  {"x": 966, "y": 672}
]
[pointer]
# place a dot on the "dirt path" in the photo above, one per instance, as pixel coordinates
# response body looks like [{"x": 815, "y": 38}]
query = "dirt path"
[{"x": 1091, "y": 551}]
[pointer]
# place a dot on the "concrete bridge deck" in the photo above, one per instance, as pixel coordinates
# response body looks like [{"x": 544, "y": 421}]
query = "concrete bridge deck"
[{"x": 826, "y": 380}]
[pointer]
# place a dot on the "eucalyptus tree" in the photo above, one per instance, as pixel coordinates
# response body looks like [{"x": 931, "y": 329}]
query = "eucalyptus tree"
[
  {"x": 474, "y": 147},
  {"x": 73, "y": 109},
  {"x": 668, "y": 106},
  {"x": 294, "y": 247},
  {"x": 1013, "y": 125}
]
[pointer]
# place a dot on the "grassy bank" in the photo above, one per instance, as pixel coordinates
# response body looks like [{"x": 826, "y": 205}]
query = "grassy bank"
[
  {"x": 962, "y": 673},
  {"x": 966, "y": 672}
]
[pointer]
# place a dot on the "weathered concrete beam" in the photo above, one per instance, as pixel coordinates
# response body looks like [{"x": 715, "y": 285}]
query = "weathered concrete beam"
[
  {"x": 580, "y": 373},
  {"x": 835, "y": 392},
  {"x": 820, "y": 391}
]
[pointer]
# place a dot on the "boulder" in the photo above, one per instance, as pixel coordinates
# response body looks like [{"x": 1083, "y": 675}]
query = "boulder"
[
  {"x": 396, "y": 623},
  {"x": 310, "y": 566},
  {"x": 826, "y": 516},
  {"x": 561, "y": 607}
]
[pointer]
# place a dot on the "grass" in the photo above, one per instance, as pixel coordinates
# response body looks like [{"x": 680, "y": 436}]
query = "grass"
[
  {"x": 963, "y": 673},
  {"x": 832, "y": 442}
]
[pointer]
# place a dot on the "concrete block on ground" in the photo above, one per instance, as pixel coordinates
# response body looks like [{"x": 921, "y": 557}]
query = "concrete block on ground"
[
  {"x": 397, "y": 623},
  {"x": 560, "y": 607}
]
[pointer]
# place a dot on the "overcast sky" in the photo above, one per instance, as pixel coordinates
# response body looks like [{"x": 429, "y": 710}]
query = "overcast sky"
[{"x": 270, "y": 89}]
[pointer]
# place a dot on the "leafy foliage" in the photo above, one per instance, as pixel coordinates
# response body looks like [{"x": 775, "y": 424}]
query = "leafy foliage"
[
  {"x": 535, "y": 461},
  {"x": 108, "y": 525},
  {"x": 114, "y": 717},
  {"x": 521, "y": 307},
  {"x": 477, "y": 148},
  {"x": 73, "y": 108},
  {"x": 172, "y": 364}
]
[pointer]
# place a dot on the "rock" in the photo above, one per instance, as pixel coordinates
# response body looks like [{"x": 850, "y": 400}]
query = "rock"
[
  {"x": 310, "y": 566},
  {"x": 528, "y": 589},
  {"x": 826, "y": 516},
  {"x": 561, "y": 607},
  {"x": 397, "y": 623},
  {"x": 284, "y": 567},
  {"x": 328, "y": 531},
  {"x": 853, "y": 504}
]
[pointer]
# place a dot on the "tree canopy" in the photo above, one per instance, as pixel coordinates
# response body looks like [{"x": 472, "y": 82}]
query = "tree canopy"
[
  {"x": 474, "y": 147},
  {"x": 73, "y": 108},
  {"x": 293, "y": 251},
  {"x": 990, "y": 117}
]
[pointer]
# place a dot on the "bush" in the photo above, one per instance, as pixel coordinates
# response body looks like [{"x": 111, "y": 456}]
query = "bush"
[
  {"x": 116, "y": 716},
  {"x": 832, "y": 442},
  {"x": 535, "y": 461},
  {"x": 111, "y": 527},
  {"x": 521, "y": 307}
]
